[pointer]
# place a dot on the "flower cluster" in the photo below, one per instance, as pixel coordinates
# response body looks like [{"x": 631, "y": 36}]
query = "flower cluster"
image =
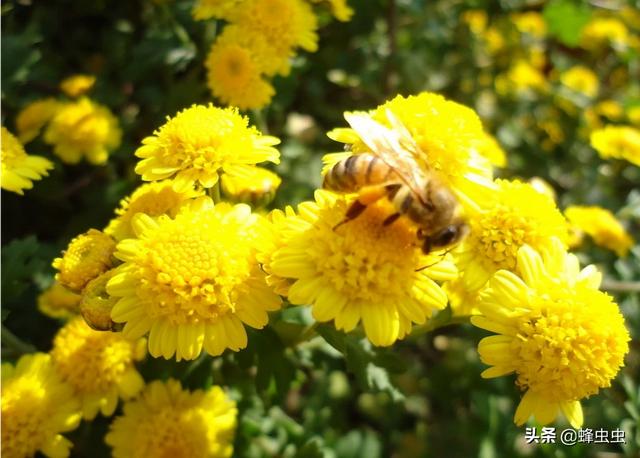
[
  {"x": 190, "y": 272},
  {"x": 173, "y": 263},
  {"x": 258, "y": 42},
  {"x": 562, "y": 337},
  {"x": 77, "y": 127}
]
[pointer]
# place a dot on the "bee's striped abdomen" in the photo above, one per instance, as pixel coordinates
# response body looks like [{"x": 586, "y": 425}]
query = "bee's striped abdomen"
[{"x": 354, "y": 172}]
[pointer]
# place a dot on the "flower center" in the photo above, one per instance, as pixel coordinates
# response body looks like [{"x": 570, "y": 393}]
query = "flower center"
[
  {"x": 24, "y": 409},
  {"x": 172, "y": 433},
  {"x": 92, "y": 361},
  {"x": 498, "y": 234},
  {"x": 567, "y": 347},
  {"x": 363, "y": 258},
  {"x": 188, "y": 273}
]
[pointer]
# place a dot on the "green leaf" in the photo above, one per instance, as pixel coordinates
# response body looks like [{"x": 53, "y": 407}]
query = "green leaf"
[
  {"x": 565, "y": 20},
  {"x": 273, "y": 363},
  {"x": 311, "y": 449},
  {"x": 21, "y": 260}
]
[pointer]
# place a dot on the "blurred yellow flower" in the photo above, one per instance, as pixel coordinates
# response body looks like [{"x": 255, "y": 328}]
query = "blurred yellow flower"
[
  {"x": 450, "y": 135},
  {"x": 604, "y": 30},
  {"x": 77, "y": 85},
  {"x": 98, "y": 365},
  {"x": 339, "y": 8},
  {"x": 562, "y": 337},
  {"x": 633, "y": 113},
  {"x": 530, "y": 22},
  {"x": 83, "y": 129},
  {"x": 516, "y": 215},
  {"x": 32, "y": 118},
  {"x": 197, "y": 145},
  {"x": 581, "y": 80},
  {"x": 19, "y": 170},
  {"x": 284, "y": 24},
  {"x": 618, "y": 142},
  {"x": 477, "y": 20},
  {"x": 192, "y": 281},
  {"x": 361, "y": 271},
  {"x": 521, "y": 78},
  {"x": 219, "y": 9},
  {"x": 251, "y": 185},
  {"x": 36, "y": 407},
  {"x": 169, "y": 421},
  {"x": 234, "y": 76},
  {"x": 602, "y": 226},
  {"x": 154, "y": 199},
  {"x": 87, "y": 256},
  {"x": 58, "y": 302}
]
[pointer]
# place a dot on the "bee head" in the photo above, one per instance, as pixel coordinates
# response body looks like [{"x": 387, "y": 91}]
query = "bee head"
[{"x": 446, "y": 236}]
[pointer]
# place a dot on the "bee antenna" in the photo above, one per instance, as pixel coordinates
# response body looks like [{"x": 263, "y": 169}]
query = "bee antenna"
[{"x": 446, "y": 252}]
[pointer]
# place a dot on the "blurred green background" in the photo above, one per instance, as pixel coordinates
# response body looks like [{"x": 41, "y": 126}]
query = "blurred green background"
[{"x": 333, "y": 396}]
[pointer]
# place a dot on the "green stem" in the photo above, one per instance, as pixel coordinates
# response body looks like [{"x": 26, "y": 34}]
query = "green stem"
[
  {"x": 214, "y": 192},
  {"x": 261, "y": 122},
  {"x": 435, "y": 324},
  {"x": 10, "y": 340},
  {"x": 615, "y": 286},
  {"x": 306, "y": 335}
]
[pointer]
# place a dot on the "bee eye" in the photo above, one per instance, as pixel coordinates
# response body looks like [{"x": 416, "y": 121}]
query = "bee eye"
[{"x": 446, "y": 236}]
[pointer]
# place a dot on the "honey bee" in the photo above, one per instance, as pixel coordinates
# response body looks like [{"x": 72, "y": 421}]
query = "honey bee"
[{"x": 392, "y": 169}]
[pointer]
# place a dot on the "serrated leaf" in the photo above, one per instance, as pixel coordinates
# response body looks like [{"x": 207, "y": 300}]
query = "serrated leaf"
[{"x": 565, "y": 20}]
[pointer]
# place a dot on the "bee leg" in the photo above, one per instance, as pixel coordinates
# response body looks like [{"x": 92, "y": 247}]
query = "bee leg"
[
  {"x": 433, "y": 264},
  {"x": 389, "y": 220},
  {"x": 353, "y": 212}
]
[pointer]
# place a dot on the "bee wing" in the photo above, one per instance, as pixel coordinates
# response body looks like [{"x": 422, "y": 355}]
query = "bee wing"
[{"x": 386, "y": 144}]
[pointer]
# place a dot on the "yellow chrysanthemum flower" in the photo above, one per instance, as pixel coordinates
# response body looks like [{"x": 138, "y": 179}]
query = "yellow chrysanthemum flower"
[
  {"x": 603, "y": 30},
  {"x": 284, "y": 24},
  {"x": 77, "y": 85},
  {"x": 602, "y": 226},
  {"x": 251, "y": 185},
  {"x": 516, "y": 215},
  {"x": 198, "y": 144},
  {"x": 96, "y": 304},
  {"x": 34, "y": 116},
  {"x": 270, "y": 60},
  {"x": 98, "y": 365},
  {"x": 19, "y": 169},
  {"x": 36, "y": 407},
  {"x": 234, "y": 76},
  {"x": 562, "y": 337},
  {"x": 450, "y": 135},
  {"x": 531, "y": 23},
  {"x": 192, "y": 281},
  {"x": 618, "y": 142},
  {"x": 581, "y": 80},
  {"x": 83, "y": 129},
  {"x": 477, "y": 20},
  {"x": 218, "y": 9},
  {"x": 58, "y": 302},
  {"x": 87, "y": 256},
  {"x": 361, "y": 270},
  {"x": 169, "y": 421},
  {"x": 154, "y": 199}
]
